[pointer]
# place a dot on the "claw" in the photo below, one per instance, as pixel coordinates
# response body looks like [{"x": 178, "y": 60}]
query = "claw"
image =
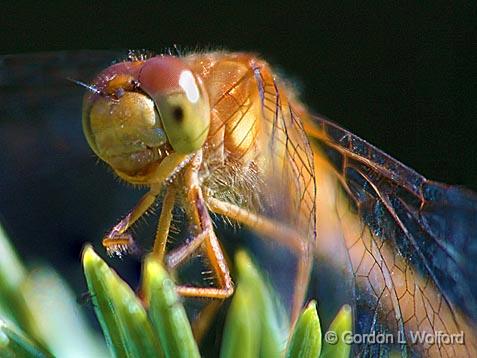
[{"x": 119, "y": 244}]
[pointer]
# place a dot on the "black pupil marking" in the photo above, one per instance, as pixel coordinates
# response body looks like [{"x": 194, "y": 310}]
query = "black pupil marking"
[{"x": 178, "y": 113}]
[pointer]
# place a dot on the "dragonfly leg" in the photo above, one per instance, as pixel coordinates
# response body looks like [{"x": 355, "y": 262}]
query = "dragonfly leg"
[
  {"x": 278, "y": 232},
  {"x": 118, "y": 239},
  {"x": 164, "y": 224},
  {"x": 210, "y": 244},
  {"x": 180, "y": 255},
  {"x": 205, "y": 239},
  {"x": 225, "y": 288},
  {"x": 219, "y": 266}
]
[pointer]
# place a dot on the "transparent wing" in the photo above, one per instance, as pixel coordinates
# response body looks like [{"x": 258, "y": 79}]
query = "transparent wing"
[
  {"x": 412, "y": 243},
  {"x": 270, "y": 172},
  {"x": 290, "y": 184},
  {"x": 271, "y": 167}
]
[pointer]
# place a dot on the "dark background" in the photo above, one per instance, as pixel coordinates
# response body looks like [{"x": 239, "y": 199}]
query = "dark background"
[{"x": 401, "y": 76}]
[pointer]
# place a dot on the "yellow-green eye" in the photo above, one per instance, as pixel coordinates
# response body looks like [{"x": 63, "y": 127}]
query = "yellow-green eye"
[{"x": 185, "y": 115}]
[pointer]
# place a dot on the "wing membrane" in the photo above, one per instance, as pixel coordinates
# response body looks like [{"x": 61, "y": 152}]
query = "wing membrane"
[
  {"x": 411, "y": 242},
  {"x": 270, "y": 169},
  {"x": 267, "y": 166},
  {"x": 291, "y": 156}
]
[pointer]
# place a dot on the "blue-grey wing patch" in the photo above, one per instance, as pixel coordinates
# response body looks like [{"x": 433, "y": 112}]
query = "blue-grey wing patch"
[{"x": 412, "y": 244}]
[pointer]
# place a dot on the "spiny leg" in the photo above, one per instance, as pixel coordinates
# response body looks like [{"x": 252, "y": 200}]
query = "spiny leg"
[
  {"x": 164, "y": 224},
  {"x": 180, "y": 255},
  {"x": 205, "y": 238},
  {"x": 284, "y": 235},
  {"x": 216, "y": 258},
  {"x": 162, "y": 232},
  {"x": 208, "y": 241},
  {"x": 280, "y": 233},
  {"x": 118, "y": 239}
]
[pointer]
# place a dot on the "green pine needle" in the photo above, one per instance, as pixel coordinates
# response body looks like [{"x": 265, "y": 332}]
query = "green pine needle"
[
  {"x": 167, "y": 314},
  {"x": 306, "y": 339},
  {"x": 340, "y": 326},
  {"x": 14, "y": 343},
  {"x": 256, "y": 323},
  {"x": 123, "y": 319}
]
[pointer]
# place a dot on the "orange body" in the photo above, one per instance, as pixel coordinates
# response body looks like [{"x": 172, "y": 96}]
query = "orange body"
[
  {"x": 264, "y": 151},
  {"x": 242, "y": 128}
]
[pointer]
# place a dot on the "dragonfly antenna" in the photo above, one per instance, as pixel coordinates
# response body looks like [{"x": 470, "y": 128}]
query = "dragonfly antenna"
[{"x": 82, "y": 84}]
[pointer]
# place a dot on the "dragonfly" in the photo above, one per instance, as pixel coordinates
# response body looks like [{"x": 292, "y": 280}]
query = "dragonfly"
[{"x": 221, "y": 135}]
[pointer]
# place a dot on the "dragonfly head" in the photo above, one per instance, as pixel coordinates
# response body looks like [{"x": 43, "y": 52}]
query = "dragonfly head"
[{"x": 141, "y": 111}]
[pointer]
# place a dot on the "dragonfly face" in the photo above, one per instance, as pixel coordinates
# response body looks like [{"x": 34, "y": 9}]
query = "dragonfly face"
[
  {"x": 256, "y": 155},
  {"x": 140, "y": 109}
]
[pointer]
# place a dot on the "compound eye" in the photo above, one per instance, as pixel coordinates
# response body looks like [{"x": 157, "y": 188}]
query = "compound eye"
[
  {"x": 185, "y": 122},
  {"x": 180, "y": 100}
]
